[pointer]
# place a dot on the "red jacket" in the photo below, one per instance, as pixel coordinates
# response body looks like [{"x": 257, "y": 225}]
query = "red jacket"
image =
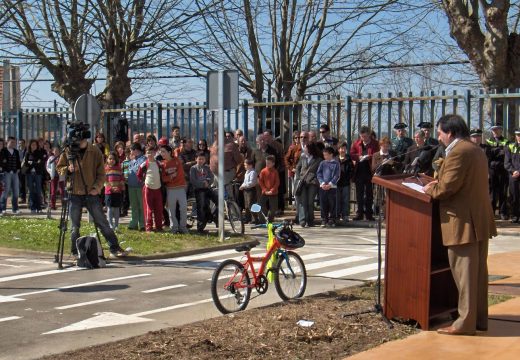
[
  {"x": 356, "y": 150},
  {"x": 269, "y": 180}
]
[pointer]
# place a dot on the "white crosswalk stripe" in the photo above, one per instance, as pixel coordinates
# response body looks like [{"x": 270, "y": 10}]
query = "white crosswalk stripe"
[
  {"x": 340, "y": 261},
  {"x": 350, "y": 271}
]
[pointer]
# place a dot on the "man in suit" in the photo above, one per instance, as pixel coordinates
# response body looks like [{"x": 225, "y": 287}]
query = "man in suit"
[{"x": 467, "y": 222}]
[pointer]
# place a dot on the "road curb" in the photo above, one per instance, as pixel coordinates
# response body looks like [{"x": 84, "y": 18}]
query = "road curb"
[{"x": 42, "y": 254}]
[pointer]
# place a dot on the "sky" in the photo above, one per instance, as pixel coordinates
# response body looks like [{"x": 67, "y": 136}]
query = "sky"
[{"x": 431, "y": 33}]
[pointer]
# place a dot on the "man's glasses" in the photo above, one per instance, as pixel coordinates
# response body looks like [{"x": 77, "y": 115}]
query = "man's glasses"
[{"x": 304, "y": 137}]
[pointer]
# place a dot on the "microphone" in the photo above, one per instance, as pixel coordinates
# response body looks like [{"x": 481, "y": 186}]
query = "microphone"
[{"x": 425, "y": 147}]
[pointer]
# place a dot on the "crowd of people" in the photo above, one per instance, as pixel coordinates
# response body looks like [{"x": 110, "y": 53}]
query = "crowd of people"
[{"x": 154, "y": 177}]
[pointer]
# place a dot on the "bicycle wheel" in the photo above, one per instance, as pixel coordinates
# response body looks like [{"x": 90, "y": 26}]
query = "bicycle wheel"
[
  {"x": 234, "y": 217},
  {"x": 191, "y": 218},
  {"x": 290, "y": 276},
  {"x": 230, "y": 287}
]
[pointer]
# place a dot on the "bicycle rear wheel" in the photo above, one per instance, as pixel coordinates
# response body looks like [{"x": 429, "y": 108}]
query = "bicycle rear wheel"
[
  {"x": 235, "y": 217},
  {"x": 191, "y": 218},
  {"x": 230, "y": 287},
  {"x": 290, "y": 276}
]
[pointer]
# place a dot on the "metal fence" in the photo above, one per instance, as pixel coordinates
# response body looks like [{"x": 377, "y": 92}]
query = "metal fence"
[{"x": 344, "y": 116}]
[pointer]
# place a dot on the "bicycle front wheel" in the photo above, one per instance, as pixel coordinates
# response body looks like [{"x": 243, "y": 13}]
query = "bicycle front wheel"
[
  {"x": 230, "y": 287},
  {"x": 290, "y": 276},
  {"x": 235, "y": 217}
]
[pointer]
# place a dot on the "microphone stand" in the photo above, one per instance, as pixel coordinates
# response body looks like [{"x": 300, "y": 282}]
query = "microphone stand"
[{"x": 377, "y": 308}]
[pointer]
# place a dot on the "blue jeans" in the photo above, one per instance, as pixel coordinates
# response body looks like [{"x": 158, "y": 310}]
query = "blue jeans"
[
  {"x": 95, "y": 209},
  {"x": 343, "y": 201},
  {"x": 11, "y": 183},
  {"x": 34, "y": 183},
  {"x": 306, "y": 204}
]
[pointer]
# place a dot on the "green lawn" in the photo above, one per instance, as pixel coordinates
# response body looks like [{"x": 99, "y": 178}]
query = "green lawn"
[{"x": 43, "y": 234}]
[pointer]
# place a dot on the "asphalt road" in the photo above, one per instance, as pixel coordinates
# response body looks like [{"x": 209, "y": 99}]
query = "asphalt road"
[{"x": 44, "y": 310}]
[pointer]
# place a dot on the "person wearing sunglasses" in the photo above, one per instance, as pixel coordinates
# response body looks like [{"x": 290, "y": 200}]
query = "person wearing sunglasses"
[
  {"x": 326, "y": 138},
  {"x": 203, "y": 146}
]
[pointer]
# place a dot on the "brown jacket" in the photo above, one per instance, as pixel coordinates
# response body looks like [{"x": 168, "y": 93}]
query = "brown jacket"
[
  {"x": 93, "y": 169},
  {"x": 465, "y": 210}
]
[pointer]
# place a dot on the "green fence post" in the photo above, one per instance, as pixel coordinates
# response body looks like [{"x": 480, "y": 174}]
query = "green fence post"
[
  {"x": 455, "y": 102},
  {"x": 389, "y": 119},
  {"x": 411, "y": 120},
  {"x": 159, "y": 121},
  {"x": 443, "y": 103},
  {"x": 481, "y": 110},
  {"x": 468, "y": 108},
  {"x": 379, "y": 115},
  {"x": 349, "y": 120},
  {"x": 369, "y": 110},
  {"x": 400, "y": 106},
  {"x": 245, "y": 118}
]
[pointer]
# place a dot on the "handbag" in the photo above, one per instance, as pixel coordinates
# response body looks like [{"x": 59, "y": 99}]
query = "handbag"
[
  {"x": 24, "y": 168},
  {"x": 299, "y": 186}
]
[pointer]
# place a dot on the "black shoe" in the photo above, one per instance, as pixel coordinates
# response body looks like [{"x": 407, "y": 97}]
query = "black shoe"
[
  {"x": 516, "y": 220},
  {"x": 370, "y": 218},
  {"x": 504, "y": 217},
  {"x": 358, "y": 218}
]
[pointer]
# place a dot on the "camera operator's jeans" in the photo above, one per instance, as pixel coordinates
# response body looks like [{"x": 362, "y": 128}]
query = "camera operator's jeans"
[
  {"x": 11, "y": 183},
  {"x": 95, "y": 209}
]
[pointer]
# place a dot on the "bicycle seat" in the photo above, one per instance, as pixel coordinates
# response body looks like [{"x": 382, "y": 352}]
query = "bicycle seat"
[{"x": 245, "y": 247}]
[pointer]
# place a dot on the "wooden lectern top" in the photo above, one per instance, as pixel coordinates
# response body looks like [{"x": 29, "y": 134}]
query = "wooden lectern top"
[{"x": 395, "y": 183}]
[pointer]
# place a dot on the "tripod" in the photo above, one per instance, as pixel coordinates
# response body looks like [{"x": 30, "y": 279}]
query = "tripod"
[
  {"x": 377, "y": 308},
  {"x": 65, "y": 209}
]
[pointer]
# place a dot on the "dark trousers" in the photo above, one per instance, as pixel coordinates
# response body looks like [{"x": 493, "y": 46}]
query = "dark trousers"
[
  {"x": 126, "y": 202},
  {"x": 249, "y": 199},
  {"x": 364, "y": 197},
  {"x": 328, "y": 204},
  {"x": 498, "y": 181},
  {"x": 23, "y": 187},
  {"x": 281, "y": 191},
  {"x": 95, "y": 209},
  {"x": 202, "y": 198},
  {"x": 514, "y": 190},
  {"x": 269, "y": 205}
]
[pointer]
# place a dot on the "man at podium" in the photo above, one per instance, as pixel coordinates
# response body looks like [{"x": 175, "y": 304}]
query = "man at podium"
[{"x": 467, "y": 222}]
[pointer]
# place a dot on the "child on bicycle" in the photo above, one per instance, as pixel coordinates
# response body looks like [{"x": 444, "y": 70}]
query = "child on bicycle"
[
  {"x": 175, "y": 183},
  {"x": 150, "y": 173},
  {"x": 248, "y": 188},
  {"x": 269, "y": 182},
  {"x": 201, "y": 178},
  {"x": 114, "y": 187}
]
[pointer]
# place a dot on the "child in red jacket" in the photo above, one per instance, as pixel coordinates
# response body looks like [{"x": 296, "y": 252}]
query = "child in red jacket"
[{"x": 269, "y": 182}]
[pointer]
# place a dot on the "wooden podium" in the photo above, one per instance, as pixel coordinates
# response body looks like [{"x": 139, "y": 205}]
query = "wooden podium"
[{"x": 418, "y": 280}]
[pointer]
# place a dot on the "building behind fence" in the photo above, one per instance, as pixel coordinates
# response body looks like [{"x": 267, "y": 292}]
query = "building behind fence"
[{"x": 344, "y": 116}]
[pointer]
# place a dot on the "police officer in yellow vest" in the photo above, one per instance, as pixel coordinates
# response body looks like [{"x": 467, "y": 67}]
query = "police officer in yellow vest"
[
  {"x": 512, "y": 166},
  {"x": 498, "y": 179}
]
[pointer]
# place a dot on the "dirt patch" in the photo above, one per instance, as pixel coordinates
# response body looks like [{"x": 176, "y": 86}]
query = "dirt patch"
[{"x": 265, "y": 333}]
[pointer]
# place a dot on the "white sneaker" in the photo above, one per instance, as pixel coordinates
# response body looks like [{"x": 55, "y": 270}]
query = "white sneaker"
[
  {"x": 16, "y": 212},
  {"x": 1, "y": 213}
]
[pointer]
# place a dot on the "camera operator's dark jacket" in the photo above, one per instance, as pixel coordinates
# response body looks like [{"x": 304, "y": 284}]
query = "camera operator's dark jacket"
[{"x": 92, "y": 166}]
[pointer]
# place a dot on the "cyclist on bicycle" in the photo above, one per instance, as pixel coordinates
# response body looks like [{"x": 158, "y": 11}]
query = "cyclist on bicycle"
[{"x": 201, "y": 178}]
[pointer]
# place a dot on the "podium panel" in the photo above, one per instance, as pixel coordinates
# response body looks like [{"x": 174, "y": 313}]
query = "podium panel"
[{"x": 418, "y": 280}]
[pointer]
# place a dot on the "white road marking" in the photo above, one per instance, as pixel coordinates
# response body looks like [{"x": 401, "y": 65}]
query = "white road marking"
[
  {"x": 164, "y": 288},
  {"x": 100, "y": 320},
  {"x": 33, "y": 261},
  {"x": 80, "y": 285},
  {"x": 14, "y": 266},
  {"x": 366, "y": 239},
  {"x": 199, "y": 256},
  {"x": 36, "y": 274},
  {"x": 174, "y": 307},
  {"x": 10, "y": 318},
  {"x": 328, "y": 248},
  {"x": 83, "y": 304},
  {"x": 375, "y": 277},
  {"x": 4, "y": 299},
  {"x": 350, "y": 271},
  {"x": 346, "y": 260}
]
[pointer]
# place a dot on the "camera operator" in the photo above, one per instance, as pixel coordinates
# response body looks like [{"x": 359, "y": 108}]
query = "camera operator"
[{"x": 86, "y": 186}]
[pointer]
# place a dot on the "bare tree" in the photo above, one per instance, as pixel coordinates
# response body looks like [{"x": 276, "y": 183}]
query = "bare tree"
[
  {"x": 292, "y": 45},
  {"x": 486, "y": 31},
  {"x": 56, "y": 35}
]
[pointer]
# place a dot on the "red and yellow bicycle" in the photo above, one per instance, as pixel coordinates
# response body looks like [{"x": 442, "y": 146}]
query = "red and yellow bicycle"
[{"x": 233, "y": 280}]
